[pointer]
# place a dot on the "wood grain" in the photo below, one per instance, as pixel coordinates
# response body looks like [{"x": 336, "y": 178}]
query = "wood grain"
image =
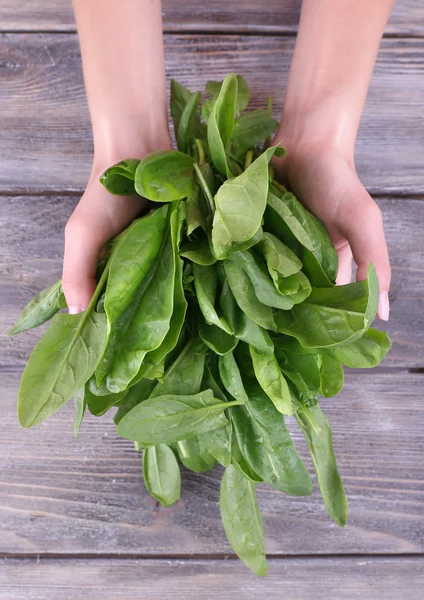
[
  {"x": 59, "y": 496},
  {"x": 45, "y": 127},
  {"x": 293, "y": 579},
  {"x": 280, "y": 16},
  {"x": 31, "y": 230}
]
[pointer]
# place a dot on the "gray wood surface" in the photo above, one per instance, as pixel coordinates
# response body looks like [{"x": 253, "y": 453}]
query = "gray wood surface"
[
  {"x": 46, "y": 139},
  {"x": 31, "y": 229},
  {"x": 291, "y": 579},
  {"x": 81, "y": 505},
  {"x": 216, "y": 15},
  {"x": 61, "y": 496}
]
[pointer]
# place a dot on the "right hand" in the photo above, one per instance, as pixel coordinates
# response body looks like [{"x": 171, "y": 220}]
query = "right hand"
[{"x": 98, "y": 217}]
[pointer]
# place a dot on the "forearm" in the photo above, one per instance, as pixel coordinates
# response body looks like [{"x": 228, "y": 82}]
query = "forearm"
[
  {"x": 336, "y": 48},
  {"x": 124, "y": 71}
]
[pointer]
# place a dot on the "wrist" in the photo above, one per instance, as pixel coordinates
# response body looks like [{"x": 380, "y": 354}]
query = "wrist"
[
  {"x": 326, "y": 124},
  {"x": 129, "y": 136}
]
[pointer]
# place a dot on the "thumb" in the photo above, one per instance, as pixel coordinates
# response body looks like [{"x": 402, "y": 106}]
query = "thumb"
[
  {"x": 82, "y": 249},
  {"x": 363, "y": 228}
]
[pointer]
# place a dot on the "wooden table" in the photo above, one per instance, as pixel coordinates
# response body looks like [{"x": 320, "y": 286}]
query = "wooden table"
[{"x": 75, "y": 520}]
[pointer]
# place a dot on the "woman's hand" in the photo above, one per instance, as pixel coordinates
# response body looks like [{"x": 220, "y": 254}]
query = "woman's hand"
[
  {"x": 326, "y": 182},
  {"x": 124, "y": 70},
  {"x": 332, "y": 65},
  {"x": 98, "y": 217}
]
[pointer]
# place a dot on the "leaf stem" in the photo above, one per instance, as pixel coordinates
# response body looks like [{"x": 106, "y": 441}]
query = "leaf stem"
[
  {"x": 205, "y": 188},
  {"x": 279, "y": 187},
  {"x": 309, "y": 418},
  {"x": 234, "y": 403},
  {"x": 99, "y": 286},
  {"x": 267, "y": 141},
  {"x": 200, "y": 151},
  {"x": 248, "y": 160},
  {"x": 269, "y": 109}
]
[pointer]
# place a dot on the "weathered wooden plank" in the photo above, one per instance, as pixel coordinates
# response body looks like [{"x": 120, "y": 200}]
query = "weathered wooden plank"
[
  {"x": 45, "y": 127},
  {"x": 295, "y": 579},
  {"x": 62, "y": 496},
  {"x": 280, "y": 16},
  {"x": 31, "y": 229}
]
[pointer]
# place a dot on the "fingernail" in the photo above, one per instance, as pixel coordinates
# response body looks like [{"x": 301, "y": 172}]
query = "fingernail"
[
  {"x": 383, "y": 306},
  {"x": 74, "y": 310}
]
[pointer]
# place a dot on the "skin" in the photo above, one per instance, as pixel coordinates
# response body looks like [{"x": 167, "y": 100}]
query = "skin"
[
  {"x": 335, "y": 52},
  {"x": 122, "y": 50},
  {"x": 332, "y": 65}
]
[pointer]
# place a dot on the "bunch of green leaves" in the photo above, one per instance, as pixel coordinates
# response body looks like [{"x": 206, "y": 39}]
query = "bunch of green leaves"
[{"x": 215, "y": 317}]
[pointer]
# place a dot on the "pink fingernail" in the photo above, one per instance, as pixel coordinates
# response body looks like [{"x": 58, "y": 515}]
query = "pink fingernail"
[
  {"x": 383, "y": 306},
  {"x": 74, "y": 310}
]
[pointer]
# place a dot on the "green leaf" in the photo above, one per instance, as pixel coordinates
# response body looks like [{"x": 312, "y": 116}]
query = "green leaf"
[
  {"x": 184, "y": 376},
  {"x": 332, "y": 376},
  {"x": 221, "y": 123},
  {"x": 213, "y": 88},
  {"x": 332, "y": 316},
  {"x": 243, "y": 328},
  {"x": 198, "y": 252},
  {"x": 156, "y": 357},
  {"x": 136, "y": 394},
  {"x": 251, "y": 129},
  {"x": 242, "y": 520},
  {"x": 165, "y": 176},
  {"x": 80, "y": 404},
  {"x": 119, "y": 179},
  {"x": 168, "y": 419},
  {"x": 244, "y": 293},
  {"x": 98, "y": 405},
  {"x": 194, "y": 454},
  {"x": 143, "y": 326},
  {"x": 231, "y": 378},
  {"x": 266, "y": 445},
  {"x": 271, "y": 380},
  {"x": 239, "y": 462},
  {"x": 317, "y": 432},
  {"x": 296, "y": 286},
  {"x": 60, "y": 364},
  {"x": 366, "y": 352},
  {"x": 205, "y": 283},
  {"x": 157, "y": 372},
  {"x": 196, "y": 210},
  {"x": 179, "y": 98},
  {"x": 284, "y": 224},
  {"x": 189, "y": 127},
  {"x": 216, "y": 339},
  {"x": 207, "y": 107},
  {"x": 279, "y": 259},
  {"x": 40, "y": 309},
  {"x": 294, "y": 225},
  {"x": 302, "y": 369},
  {"x": 262, "y": 284},
  {"x": 218, "y": 443},
  {"x": 211, "y": 379},
  {"x": 161, "y": 473},
  {"x": 131, "y": 261},
  {"x": 240, "y": 205}
]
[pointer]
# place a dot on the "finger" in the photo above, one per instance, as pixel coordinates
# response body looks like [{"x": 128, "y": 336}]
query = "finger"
[
  {"x": 344, "y": 274},
  {"x": 364, "y": 230},
  {"x": 82, "y": 249}
]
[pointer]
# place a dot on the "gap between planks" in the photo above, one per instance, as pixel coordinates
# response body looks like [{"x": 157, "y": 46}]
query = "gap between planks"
[
  {"x": 365, "y": 372},
  {"x": 202, "y": 557},
  {"x": 5, "y": 194},
  {"x": 263, "y": 30}
]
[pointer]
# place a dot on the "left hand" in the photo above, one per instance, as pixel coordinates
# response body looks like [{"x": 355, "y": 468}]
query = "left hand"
[{"x": 325, "y": 180}]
